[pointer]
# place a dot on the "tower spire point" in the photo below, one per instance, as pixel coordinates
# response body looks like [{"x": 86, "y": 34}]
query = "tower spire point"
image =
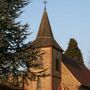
[{"x": 45, "y": 2}]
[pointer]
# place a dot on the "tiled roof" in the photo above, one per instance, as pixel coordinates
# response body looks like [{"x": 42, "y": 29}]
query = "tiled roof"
[
  {"x": 80, "y": 71},
  {"x": 42, "y": 42}
]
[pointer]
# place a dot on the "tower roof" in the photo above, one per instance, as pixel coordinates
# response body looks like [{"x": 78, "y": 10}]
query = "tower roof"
[
  {"x": 45, "y": 36},
  {"x": 45, "y": 28}
]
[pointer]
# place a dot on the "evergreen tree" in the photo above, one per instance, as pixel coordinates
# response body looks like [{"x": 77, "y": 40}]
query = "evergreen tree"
[
  {"x": 73, "y": 51},
  {"x": 13, "y": 52}
]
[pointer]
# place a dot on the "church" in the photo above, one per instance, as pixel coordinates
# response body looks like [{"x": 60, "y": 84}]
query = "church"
[{"x": 62, "y": 72}]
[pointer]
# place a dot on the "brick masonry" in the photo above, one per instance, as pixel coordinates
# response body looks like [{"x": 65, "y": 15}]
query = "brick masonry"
[{"x": 69, "y": 82}]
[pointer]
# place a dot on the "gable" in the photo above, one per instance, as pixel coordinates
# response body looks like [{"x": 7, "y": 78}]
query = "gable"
[
  {"x": 68, "y": 80},
  {"x": 79, "y": 71}
]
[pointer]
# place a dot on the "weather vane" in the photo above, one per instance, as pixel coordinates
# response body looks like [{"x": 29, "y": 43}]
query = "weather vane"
[{"x": 45, "y": 2}]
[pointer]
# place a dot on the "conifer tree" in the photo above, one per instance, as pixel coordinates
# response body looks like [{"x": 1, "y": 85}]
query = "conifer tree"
[
  {"x": 13, "y": 52},
  {"x": 73, "y": 51}
]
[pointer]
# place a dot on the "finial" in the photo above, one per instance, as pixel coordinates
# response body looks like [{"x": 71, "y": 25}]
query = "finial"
[{"x": 45, "y": 2}]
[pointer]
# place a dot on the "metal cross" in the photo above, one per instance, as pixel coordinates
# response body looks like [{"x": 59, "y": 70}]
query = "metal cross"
[{"x": 45, "y": 2}]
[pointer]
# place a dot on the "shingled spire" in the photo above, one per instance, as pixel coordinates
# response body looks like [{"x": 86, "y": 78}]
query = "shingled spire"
[
  {"x": 45, "y": 36},
  {"x": 45, "y": 28}
]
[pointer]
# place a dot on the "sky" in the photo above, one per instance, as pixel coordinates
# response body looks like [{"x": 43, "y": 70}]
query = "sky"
[{"x": 68, "y": 19}]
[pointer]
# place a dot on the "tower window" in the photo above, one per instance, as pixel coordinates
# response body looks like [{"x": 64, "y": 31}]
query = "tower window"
[{"x": 57, "y": 63}]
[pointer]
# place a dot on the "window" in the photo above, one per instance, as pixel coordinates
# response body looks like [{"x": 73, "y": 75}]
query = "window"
[
  {"x": 57, "y": 65},
  {"x": 57, "y": 62}
]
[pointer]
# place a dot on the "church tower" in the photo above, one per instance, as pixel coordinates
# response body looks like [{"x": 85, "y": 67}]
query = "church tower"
[{"x": 51, "y": 58}]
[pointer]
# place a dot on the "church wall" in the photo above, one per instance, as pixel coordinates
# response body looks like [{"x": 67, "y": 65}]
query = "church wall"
[
  {"x": 32, "y": 85},
  {"x": 47, "y": 60},
  {"x": 56, "y": 72},
  {"x": 69, "y": 82},
  {"x": 46, "y": 82}
]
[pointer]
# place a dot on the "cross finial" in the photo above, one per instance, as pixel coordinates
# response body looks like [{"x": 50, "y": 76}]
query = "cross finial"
[{"x": 45, "y": 2}]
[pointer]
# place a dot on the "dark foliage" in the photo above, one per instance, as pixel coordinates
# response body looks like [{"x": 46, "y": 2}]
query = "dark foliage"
[
  {"x": 3, "y": 87},
  {"x": 13, "y": 52},
  {"x": 73, "y": 51}
]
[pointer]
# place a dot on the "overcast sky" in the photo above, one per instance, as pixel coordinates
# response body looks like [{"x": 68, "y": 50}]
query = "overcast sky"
[{"x": 68, "y": 19}]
